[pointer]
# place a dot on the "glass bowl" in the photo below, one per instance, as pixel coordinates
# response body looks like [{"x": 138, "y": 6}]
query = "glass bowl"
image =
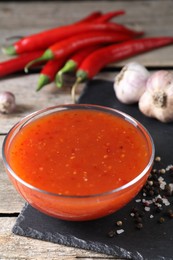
[{"x": 78, "y": 162}]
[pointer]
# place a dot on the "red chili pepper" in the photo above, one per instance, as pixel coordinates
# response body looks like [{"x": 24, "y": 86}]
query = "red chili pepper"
[
  {"x": 68, "y": 46},
  {"x": 48, "y": 72},
  {"x": 101, "y": 18},
  {"x": 47, "y": 38},
  {"x": 108, "y": 16},
  {"x": 73, "y": 63},
  {"x": 116, "y": 52},
  {"x": 17, "y": 64},
  {"x": 89, "y": 18}
]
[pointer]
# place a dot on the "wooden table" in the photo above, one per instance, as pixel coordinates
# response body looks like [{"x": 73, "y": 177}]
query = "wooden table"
[{"x": 155, "y": 17}]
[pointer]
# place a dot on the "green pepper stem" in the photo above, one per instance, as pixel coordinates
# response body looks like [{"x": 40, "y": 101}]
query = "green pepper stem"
[
  {"x": 47, "y": 55},
  {"x": 69, "y": 66},
  {"x": 42, "y": 81},
  {"x": 9, "y": 50},
  {"x": 73, "y": 89},
  {"x": 59, "y": 79},
  {"x": 83, "y": 75}
]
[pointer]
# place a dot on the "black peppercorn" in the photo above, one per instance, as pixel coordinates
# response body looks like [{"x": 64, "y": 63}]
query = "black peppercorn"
[
  {"x": 170, "y": 213},
  {"x": 159, "y": 200},
  {"x": 156, "y": 191},
  {"x": 155, "y": 177},
  {"x": 139, "y": 225},
  {"x": 161, "y": 220},
  {"x": 111, "y": 233},
  {"x": 134, "y": 210},
  {"x": 151, "y": 193},
  {"x": 168, "y": 190},
  {"x": 138, "y": 219},
  {"x": 159, "y": 209}
]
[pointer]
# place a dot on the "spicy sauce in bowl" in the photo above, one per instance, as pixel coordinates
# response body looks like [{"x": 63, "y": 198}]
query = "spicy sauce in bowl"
[{"x": 78, "y": 162}]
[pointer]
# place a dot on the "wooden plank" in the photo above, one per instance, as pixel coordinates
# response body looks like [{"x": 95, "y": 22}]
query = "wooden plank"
[
  {"x": 19, "y": 248},
  {"x": 28, "y": 100},
  {"x": 10, "y": 201},
  {"x": 44, "y": 16}
]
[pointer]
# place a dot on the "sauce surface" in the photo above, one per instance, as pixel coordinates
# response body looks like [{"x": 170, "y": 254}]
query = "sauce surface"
[{"x": 78, "y": 152}]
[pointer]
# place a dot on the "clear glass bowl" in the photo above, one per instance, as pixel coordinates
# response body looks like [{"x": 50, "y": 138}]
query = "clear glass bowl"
[{"x": 78, "y": 208}]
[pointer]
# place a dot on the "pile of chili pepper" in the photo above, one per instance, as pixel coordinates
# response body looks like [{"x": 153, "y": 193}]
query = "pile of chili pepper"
[{"x": 83, "y": 48}]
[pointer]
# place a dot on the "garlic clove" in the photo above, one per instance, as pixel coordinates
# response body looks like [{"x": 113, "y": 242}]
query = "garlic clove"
[
  {"x": 130, "y": 83},
  {"x": 7, "y": 102},
  {"x": 157, "y": 100}
]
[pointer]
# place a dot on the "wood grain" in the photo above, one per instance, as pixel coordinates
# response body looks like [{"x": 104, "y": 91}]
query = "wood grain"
[
  {"x": 10, "y": 201},
  {"x": 28, "y": 100},
  {"x": 15, "y": 247}
]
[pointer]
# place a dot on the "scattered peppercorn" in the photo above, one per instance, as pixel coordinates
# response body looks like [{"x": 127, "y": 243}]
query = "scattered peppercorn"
[
  {"x": 139, "y": 225},
  {"x": 168, "y": 190},
  {"x": 156, "y": 191},
  {"x": 161, "y": 220},
  {"x": 156, "y": 183},
  {"x": 150, "y": 183},
  {"x": 119, "y": 223},
  {"x": 159, "y": 209},
  {"x": 170, "y": 213},
  {"x": 138, "y": 219},
  {"x": 158, "y": 159},
  {"x": 154, "y": 198},
  {"x": 155, "y": 177},
  {"x": 134, "y": 210},
  {"x": 159, "y": 200},
  {"x": 151, "y": 193},
  {"x": 111, "y": 233},
  {"x": 162, "y": 171}
]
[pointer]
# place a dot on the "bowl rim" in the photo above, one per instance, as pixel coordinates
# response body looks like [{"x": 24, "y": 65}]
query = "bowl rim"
[{"x": 109, "y": 110}]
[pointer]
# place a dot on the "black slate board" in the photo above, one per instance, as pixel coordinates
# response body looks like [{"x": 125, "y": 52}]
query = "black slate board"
[{"x": 152, "y": 242}]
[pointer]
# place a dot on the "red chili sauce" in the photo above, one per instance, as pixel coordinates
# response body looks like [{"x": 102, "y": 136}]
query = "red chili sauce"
[{"x": 78, "y": 152}]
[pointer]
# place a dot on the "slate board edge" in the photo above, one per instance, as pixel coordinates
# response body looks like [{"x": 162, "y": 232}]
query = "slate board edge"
[{"x": 72, "y": 241}]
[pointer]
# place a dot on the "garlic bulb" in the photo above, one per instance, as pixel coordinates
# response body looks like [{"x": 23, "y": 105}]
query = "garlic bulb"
[
  {"x": 157, "y": 100},
  {"x": 130, "y": 83},
  {"x": 7, "y": 102}
]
